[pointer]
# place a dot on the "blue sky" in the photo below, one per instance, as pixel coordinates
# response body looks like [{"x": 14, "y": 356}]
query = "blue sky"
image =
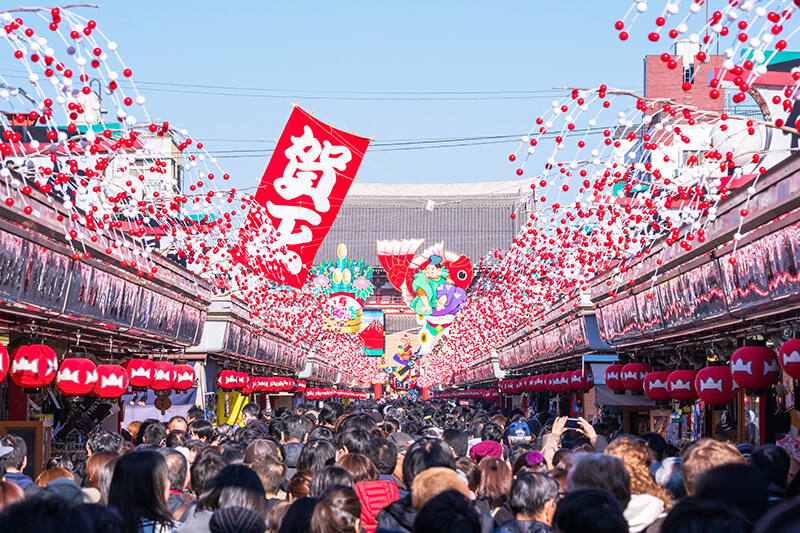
[{"x": 305, "y": 51}]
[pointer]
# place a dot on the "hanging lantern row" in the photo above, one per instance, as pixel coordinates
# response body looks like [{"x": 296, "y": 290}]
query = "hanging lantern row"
[
  {"x": 560, "y": 382},
  {"x": 36, "y": 365},
  {"x": 322, "y": 394},
  {"x": 232, "y": 380},
  {"x": 491, "y": 395}
]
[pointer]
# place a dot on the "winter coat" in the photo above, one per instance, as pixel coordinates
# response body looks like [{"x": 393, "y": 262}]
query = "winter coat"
[
  {"x": 397, "y": 516},
  {"x": 642, "y": 511},
  {"x": 374, "y": 496},
  {"x": 524, "y": 526}
]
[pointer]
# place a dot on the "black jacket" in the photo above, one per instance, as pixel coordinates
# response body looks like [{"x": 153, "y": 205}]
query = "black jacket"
[
  {"x": 397, "y": 516},
  {"x": 524, "y": 526}
]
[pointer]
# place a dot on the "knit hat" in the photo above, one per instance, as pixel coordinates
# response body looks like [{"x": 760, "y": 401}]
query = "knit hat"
[
  {"x": 236, "y": 520},
  {"x": 486, "y": 448}
]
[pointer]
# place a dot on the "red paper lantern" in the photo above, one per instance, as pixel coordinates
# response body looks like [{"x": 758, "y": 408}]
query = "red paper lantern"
[
  {"x": 227, "y": 380},
  {"x": 184, "y": 377},
  {"x": 581, "y": 381},
  {"x": 565, "y": 381},
  {"x": 613, "y": 378},
  {"x": 250, "y": 386},
  {"x": 140, "y": 372},
  {"x": 633, "y": 376},
  {"x": 681, "y": 385},
  {"x": 755, "y": 367},
  {"x": 656, "y": 387},
  {"x": 549, "y": 382},
  {"x": 76, "y": 377},
  {"x": 243, "y": 379},
  {"x": 715, "y": 385},
  {"x": 789, "y": 358},
  {"x": 5, "y": 362},
  {"x": 112, "y": 381},
  {"x": 539, "y": 383},
  {"x": 33, "y": 366},
  {"x": 164, "y": 375}
]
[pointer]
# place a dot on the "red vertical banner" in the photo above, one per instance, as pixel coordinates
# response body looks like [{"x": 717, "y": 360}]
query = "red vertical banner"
[{"x": 300, "y": 195}]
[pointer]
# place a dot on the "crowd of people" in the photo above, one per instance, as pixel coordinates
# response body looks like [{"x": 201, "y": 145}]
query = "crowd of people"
[{"x": 398, "y": 467}]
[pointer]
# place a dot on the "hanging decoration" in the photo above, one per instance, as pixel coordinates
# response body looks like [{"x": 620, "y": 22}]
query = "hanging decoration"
[
  {"x": 755, "y": 367},
  {"x": 112, "y": 381},
  {"x": 76, "y": 376},
  {"x": 33, "y": 366},
  {"x": 715, "y": 385}
]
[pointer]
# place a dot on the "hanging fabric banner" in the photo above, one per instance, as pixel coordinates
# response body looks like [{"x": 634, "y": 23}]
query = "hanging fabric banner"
[{"x": 300, "y": 195}]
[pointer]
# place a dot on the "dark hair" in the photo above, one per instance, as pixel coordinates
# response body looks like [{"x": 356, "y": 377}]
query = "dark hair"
[
  {"x": 530, "y": 492},
  {"x": 151, "y": 432},
  {"x": 176, "y": 438},
  {"x": 784, "y": 518},
  {"x": 656, "y": 443},
  {"x": 361, "y": 421},
  {"x": 492, "y": 431},
  {"x": 743, "y": 487},
  {"x": 104, "y": 519},
  {"x": 354, "y": 439},
  {"x": 312, "y": 419},
  {"x": 94, "y": 465},
  {"x": 299, "y": 485},
  {"x": 249, "y": 434},
  {"x": 517, "y": 451},
  {"x": 271, "y": 472},
  {"x": 605, "y": 472},
  {"x": 251, "y": 409},
  {"x": 330, "y": 412},
  {"x": 196, "y": 413},
  {"x": 296, "y": 427},
  {"x": 175, "y": 419},
  {"x": 774, "y": 462},
  {"x": 44, "y": 515},
  {"x": 423, "y": 454},
  {"x": 10, "y": 493},
  {"x": 201, "y": 428},
  {"x": 448, "y": 512},
  {"x": 206, "y": 465},
  {"x": 359, "y": 466},
  {"x": 457, "y": 440},
  {"x": 337, "y": 511},
  {"x": 63, "y": 461},
  {"x": 316, "y": 455},
  {"x": 234, "y": 486},
  {"x": 321, "y": 432},
  {"x": 103, "y": 441},
  {"x": 695, "y": 516},
  {"x": 177, "y": 465},
  {"x": 470, "y": 469},
  {"x": 137, "y": 489},
  {"x": 236, "y": 520},
  {"x": 327, "y": 477},
  {"x": 383, "y": 453},
  {"x": 298, "y": 517},
  {"x": 592, "y": 510},
  {"x": 16, "y": 457}
]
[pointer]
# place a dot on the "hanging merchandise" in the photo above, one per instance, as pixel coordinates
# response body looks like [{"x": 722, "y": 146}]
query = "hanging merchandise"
[
  {"x": 76, "y": 377},
  {"x": 715, "y": 385},
  {"x": 655, "y": 386},
  {"x": 33, "y": 366},
  {"x": 140, "y": 372},
  {"x": 755, "y": 367},
  {"x": 112, "y": 381}
]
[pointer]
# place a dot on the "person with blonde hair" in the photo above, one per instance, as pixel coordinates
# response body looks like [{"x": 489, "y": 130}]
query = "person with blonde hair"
[
  {"x": 648, "y": 500},
  {"x": 703, "y": 455}
]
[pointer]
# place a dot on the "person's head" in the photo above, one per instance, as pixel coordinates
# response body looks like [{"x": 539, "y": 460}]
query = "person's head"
[
  {"x": 295, "y": 429},
  {"x": 234, "y": 486},
  {"x": 495, "y": 485},
  {"x": 469, "y": 467},
  {"x": 61, "y": 460},
  {"x": 17, "y": 458},
  {"x": 45, "y": 515},
  {"x": 236, "y": 520},
  {"x": 177, "y": 467},
  {"x": 327, "y": 477},
  {"x": 104, "y": 441},
  {"x": 637, "y": 457},
  {"x": 53, "y": 473},
  {"x": 434, "y": 481},
  {"x": 703, "y": 455},
  {"x": 200, "y": 429},
  {"x": 359, "y": 466},
  {"x": 321, "y": 432},
  {"x": 176, "y": 438},
  {"x": 272, "y": 474},
  {"x": 563, "y": 459},
  {"x": 299, "y": 485},
  {"x": 587, "y": 510},
  {"x": 104, "y": 480},
  {"x": 743, "y": 487},
  {"x": 656, "y": 444},
  {"x": 152, "y": 432},
  {"x": 352, "y": 440},
  {"x": 532, "y": 461},
  {"x": 518, "y": 450},
  {"x": 177, "y": 423},
  {"x": 457, "y": 440},
  {"x": 492, "y": 431},
  {"x": 206, "y": 465},
  {"x": 383, "y": 453},
  {"x": 195, "y": 413},
  {"x": 316, "y": 455},
  {"x": 691, "y": 515},
  {"x": 604, "y": 472},
  {"x": 423, "y": 454},
  {"x": 250, "y": 412},
  {"x": 774, "y": 462},
  {"x": 259, "y": 449},
  {"x": 139, "y": 488},
  {"x": 298, "y": 518},
  {"x": 338, "y": 511},
  {"x": 447, "y": 512},
  {"x": 10, "y": 493},
  {"x": 330, "y": 412},
  {"x": 533, "y": 497}
]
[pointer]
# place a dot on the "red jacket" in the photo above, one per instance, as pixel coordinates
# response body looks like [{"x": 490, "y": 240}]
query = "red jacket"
[{"x": 374, "y": 496}]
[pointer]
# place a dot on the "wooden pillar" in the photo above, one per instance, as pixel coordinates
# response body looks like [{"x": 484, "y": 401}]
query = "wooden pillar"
[{"x": 426, "y": 393}]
